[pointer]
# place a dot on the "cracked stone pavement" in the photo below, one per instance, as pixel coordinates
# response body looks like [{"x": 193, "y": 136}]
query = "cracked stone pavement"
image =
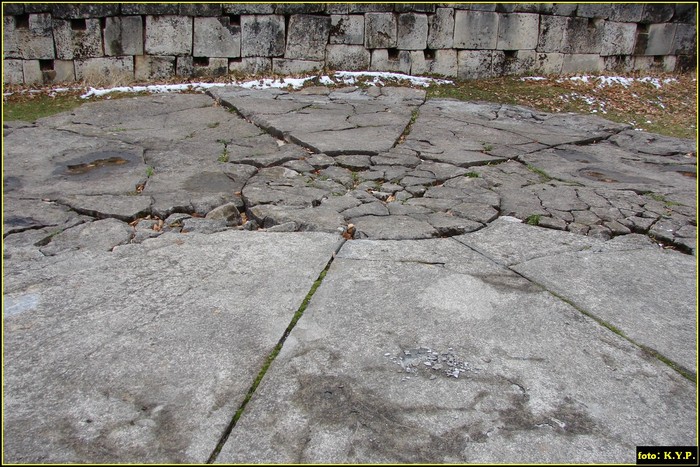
[{"x": 502, "y": 285}]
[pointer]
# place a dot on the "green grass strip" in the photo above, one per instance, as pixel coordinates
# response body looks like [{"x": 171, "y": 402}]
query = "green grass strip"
[{"x": 268, "y": 361}]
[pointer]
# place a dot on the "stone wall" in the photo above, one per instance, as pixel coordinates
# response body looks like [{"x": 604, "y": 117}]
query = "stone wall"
[{"x": 47, "y": 43}]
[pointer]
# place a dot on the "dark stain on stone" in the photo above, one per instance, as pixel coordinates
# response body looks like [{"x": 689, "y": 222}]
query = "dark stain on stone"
[
  {"x": 592, "y": 174},
  {"x": 88, "y": 166}
]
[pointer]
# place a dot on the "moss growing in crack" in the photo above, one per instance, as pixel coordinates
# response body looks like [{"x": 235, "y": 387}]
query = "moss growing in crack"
[
  {"x": 544, "y": 176},
  {"x": 471, "y": 175},
  {"x": 487, "y": 147},
  {"x": 223, "y": 157},
  {"x": 533, "y": 219},
  {"x": 149, "y": 171}
]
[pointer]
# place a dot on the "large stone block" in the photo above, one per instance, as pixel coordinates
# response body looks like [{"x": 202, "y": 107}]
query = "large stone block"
[
  {"x": 618, "y": 38},
  {"x": 649, "y": 63},
  {"x": 660, "y": 40},
  {"x": 347, "y": 57},
  {"x": 250, "y": 65},
  {"x": 12, "y": 9},
  {"x": 684, "y": 42},
  {"x": 347, "y": 29},
  {"x": 517, "y": 31},
  {"x": 262, "y": 35},
  {"x": 84, "y": 10},
  {"x": 123, "y": 35},
  {"x": 36, "y": 40},
  {"x": 618, "y": 63},
  {"x": 38, "y": 7},
  {"x": 32, "y": 72},
  {"x": 215, "y": 66},
  {"x": 370, "y": 7},
  {"x": 383, "y": 61},
  {"x": 512, "y": 63},
  {"x": 10, "y": 44},
  {"x": 552, "y": 34},
  {"x": 105, "y": 70},
  {"x": 337, "y": 8},
  {"x": 299, "y": 8},
  {"x": 150, "y": 9},
  {"x": 414, "y": 7},
  {"x": 82, "y": 40},
  {"x": 584, "y": 36},
  {"x": 657, "y": 12},
  {"x": 549, "y": 63},
  {"x": 443, "y": 63},
  {"x": 12, "y": 71},
  {"x": 148, "y": 67},
  {"x": 475, "y": 29},
  {"x": 582, "y": 63},
  {"x": 412, "y": 31},
  {"x": 473, "y": 6},
  {"x": 307, "y": 37},
  {"x": 380, "y": 30},
  {"x": 474, "y": 64},
  {"x": 248, "y": 8},
  {"x": 65, "y": 70},
  {"x": 284, "y": 66},
  {"x": 626, "y": 12},
  {"x": 594, "y": 10},
  {"x": 564, "y": 9},
  {"x": 685, "y": 13},
  {"x": 168, "y": 35},
  {"x": 200, "y": 9},
  {"x": 441, "y": 27},
  {"x": 216, "y": 37}
]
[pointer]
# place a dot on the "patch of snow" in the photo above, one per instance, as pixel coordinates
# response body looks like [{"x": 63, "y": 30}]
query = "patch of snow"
[{"x": 533, "y": 78}]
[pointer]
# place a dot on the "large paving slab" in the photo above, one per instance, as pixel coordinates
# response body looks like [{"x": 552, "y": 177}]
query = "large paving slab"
[
  {"x": 144, "y": 353},
  {"x": 428, "y": 352}
]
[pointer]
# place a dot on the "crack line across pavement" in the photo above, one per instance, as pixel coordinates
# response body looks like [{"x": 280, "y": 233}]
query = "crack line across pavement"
[{"x": 271, "y": 357}]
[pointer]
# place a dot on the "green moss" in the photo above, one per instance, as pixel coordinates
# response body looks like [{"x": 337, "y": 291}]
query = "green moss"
[{"x": 533, "y": 219}]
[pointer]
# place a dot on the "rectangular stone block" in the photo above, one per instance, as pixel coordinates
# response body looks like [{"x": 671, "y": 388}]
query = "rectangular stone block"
[
  {"x": 105, "y": 70},
  {"x": 618, "y": 38},
  {"x": 65, "y": 70},
  {"x": 626, "y": 12},
  {"x": 414, "y": 7},
  {"x": 299, "y": 8},
  {"x": 517, "y": 31},
  {"x": 441, "y": 27},
  {"x": 412, "y": 31},
  {"x": 660, "y": 40},
  {"x": 285, "y": 66},
  {"x": 380, "y": 30},
  {"x": 123, "y": 35},
  {"x": 248, "y": 8},
  {"x": 347, "y": 29},
  {"x": 84, "y": 10},
  {"x": 685, "y": 13},
  {"x": 475, "y": 29},
  {"x": 38, "y": 7},
  {"x": 474, "y": 64},
  {"x": 337, "y": 8},
  {"x": 618, "y": 63},
  {"x": 564, "y": 9},
  {"x": 262, "y": 35},
  {"x": 12, "y": 9},
  {"x": 582, "y": 63},
  {"x": 593, "y": 10},
  {"x": 200, "y": 9},
  {"x": 32, "y": 72},
  {"x": 473, "y": 6},
  {"x": 150, "y": 9},
  {"x": 382, "y": 61},
  {"x": 370, "y": 7},
  {"x": 347, "y": 57},
  {"x": 552, "y": 34},
  {"x": 584, "y": 36},
  {"x": 443, "y": 63},
  {"x": 517, "y": 63},
  {"x": 148, "y": 67},
  {"x": 250, "y": 65},
  {"x": 168, "y": 35},
  {"x": 10, "y": 45},
  {"x": 12, "y": 72},
  {"x": 36, "y": 42},
  {"x": 216, "y": 37},
  {"x": 307, "y": 37},
  {"x": 657, "y": 12},
  {"x": 72, "y": 42},
  {"x": 549, "y": 63},
  {"x": 214, "y": 66},
  {"x": 684, "y": 42}
]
